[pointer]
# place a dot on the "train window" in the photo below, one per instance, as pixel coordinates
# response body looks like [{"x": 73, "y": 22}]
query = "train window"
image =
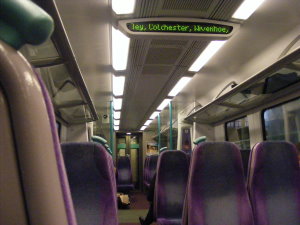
[
  {"x": 282, "y": 122},
  {"x": 58, "y": 127},
  {"x": 237, "y": 131}
]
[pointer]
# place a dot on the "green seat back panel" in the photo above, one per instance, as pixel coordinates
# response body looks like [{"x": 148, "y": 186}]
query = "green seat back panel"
[{"x": 31, "y": 23}]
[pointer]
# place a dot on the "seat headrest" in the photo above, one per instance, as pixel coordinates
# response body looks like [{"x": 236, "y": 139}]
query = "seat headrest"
[
  {"x": 199, "y": 140},
  {"x": 23, "y": 22}
]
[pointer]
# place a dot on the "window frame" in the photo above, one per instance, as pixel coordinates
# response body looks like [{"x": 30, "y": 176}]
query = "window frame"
[{"x": 268, "y": 108}]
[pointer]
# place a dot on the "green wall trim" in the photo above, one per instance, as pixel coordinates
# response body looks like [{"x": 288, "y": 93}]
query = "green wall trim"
[
  {"x": 121, "y": 146},
  {"x": 134, "y": 146}
]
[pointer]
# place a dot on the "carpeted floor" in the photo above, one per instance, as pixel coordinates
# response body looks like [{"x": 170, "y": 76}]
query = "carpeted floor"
[{"x": 138, "y": 207}]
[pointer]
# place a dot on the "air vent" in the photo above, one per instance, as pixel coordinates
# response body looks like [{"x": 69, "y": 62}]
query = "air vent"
[
  {"x": 225, "y": 9},
  {"x": 156, "y": 70},
  {"x": 163, "y": 56},
  {"x": 187, "y": 5},
  {"x": 175, "y": 43}
]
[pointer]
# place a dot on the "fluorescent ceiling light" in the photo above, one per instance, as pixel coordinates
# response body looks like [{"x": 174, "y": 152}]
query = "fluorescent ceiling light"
[
  {"x": 116, "y": 127},
  {"x": 246, "y": 9},
  {"x": 143, "y": 128},
  {"x": 117, "y": 103},
  {"x": 148, "y": 122},
  {"x": 118, "y": 85},
  {"x": 179, "y": 86},
  {"x": 116, "y": 122},
  {"x": 120, "y": 49},
  {"x": 117, "y": 114},
  {"x": 123, "y": 6},
  {"x": 164, "y": 104},
  {"x": 128, "y": 133},
  {"x": 206, "y": 55},
  {"x": 154, "y": 115}
]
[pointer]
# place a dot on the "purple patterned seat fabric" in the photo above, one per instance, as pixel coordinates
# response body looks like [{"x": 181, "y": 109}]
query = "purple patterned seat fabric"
[
  {"x": 146, "y": 171},
  {"x": 124, "y": 175},
  {"x": 170, "y": 187},
  {"x": 216, "y": 191},
  {"x": 92, "y": 183},
  {"x": 274, "y": 184},
  {"x": 152, "y": 163}
]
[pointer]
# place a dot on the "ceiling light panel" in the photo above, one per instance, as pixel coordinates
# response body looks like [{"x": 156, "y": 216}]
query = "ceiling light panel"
[
  {"x": 117, "y": 122},
  {"x": 206, "y": 55},
  {"x": 117, "y": 115},
  {"x": 154, "y": 115},
  {"x": 143, "y": 128},
  {"x": 120, "y": 49},
  {"x": 116, "y": 127},
  {"x": 179, "y": 86},
  {"x": 117, "y": 103},
  {"x": 118, "y": 85},
  {"x": 148, "y": 122},
  {"x": 123, "y": 6},
  {"x": 163, "y": 104},
  {"x": 246, "y": 9}
]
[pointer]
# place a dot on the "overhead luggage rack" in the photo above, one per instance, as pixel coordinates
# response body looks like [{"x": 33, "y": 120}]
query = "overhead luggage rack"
[
  {"x": 58, "y": 67},
  {"x": 277, "y": 80}
]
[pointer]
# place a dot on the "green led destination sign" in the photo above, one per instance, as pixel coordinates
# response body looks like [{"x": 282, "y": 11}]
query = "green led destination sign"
[{"x": 179, "y": 27}]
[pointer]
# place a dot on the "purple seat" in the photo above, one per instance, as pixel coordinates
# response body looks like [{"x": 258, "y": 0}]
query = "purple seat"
[
  {"x": 216, "y": 191},
  {"x": 39, "y": 182},
  {"x": 146, "y": 170},
  {"x": 124, "y": 175},
  {"x": 151, "y": 169},
  {"x": 170, "y": 187},
  {"x": 274, "y": 184},
  {"x": 92, "y": 183}
]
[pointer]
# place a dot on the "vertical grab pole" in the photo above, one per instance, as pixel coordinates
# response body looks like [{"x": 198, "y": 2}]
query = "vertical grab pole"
[
  {"x": 171, "y": 129},
  {"x": 158, "y": 131},
  {"x": 111, "y": 128}
]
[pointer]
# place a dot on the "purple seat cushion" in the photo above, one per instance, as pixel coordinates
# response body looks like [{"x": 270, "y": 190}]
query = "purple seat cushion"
[
  {"x": 274, "y": 184},
  {"x": 162, "y": 221},
  {"x": 124, "y": 175},
  {"x": 170, "y": 187},
  {"x": 92, "y": 182},
  {"x": 216, "y": 188}
]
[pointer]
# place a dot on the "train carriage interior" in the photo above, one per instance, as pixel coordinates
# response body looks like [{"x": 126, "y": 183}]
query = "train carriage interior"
[{"x": 167, "y": 112}]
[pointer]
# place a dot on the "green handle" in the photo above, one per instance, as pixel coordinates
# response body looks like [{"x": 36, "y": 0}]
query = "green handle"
[{"x": 32, "y": 25}]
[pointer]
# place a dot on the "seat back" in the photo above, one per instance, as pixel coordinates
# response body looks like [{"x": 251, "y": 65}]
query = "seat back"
[
  {"x": 216, "y": 192},
  {"x": 35, "y": 145},
  {"x": 274, "y": 183},
  {"x": 170, "y": 187},
  {"x": 124, "y": 175},
  {"x": 92, "y": 183},
  {"x": 152, "y": 167},
  {"x": 245, "y": 159},
  {"x": 146, "y": 169}
]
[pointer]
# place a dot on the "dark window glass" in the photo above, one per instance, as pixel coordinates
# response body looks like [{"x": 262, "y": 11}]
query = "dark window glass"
[
  {"x": 58, "y": 127},
  {"x": 237, "y": 131},
  {"x": 283, "y": 122}
]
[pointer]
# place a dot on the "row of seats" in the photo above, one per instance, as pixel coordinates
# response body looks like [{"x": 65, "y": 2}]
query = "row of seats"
[
  {"x": 149, "y": 169},
  {"x": 215, "y": 190}
]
